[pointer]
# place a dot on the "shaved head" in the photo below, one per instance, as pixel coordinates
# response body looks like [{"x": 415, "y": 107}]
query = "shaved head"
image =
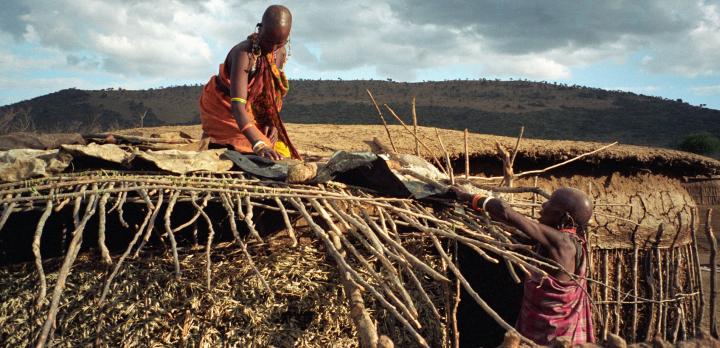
[
  {"x": 567, "y": 201},
  {"x": 275, "y": 26}
]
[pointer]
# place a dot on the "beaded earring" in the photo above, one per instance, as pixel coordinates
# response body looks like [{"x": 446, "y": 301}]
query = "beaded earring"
[
  {"x": 289, "y": 51},
  {"x": 256, "y": 40},
  {"x": 567, "y": 218}
]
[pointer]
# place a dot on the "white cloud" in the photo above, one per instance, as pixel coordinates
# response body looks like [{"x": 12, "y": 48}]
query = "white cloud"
[
  {"x": 693, "y": 52},
  {"x": 707, "y": 90},
  {"x": 160, "y": 38},
  {"x": 535, "y": 67},
  {"x": 187, "y": 39}
]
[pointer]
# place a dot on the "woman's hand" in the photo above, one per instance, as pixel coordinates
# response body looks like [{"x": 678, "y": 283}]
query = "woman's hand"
[
  {"x": 271, "y": 133},
  {"x": 269, "y": 153}
]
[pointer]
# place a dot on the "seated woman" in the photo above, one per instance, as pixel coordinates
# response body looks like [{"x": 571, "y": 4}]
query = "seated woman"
[{"x": 240, "y": 106}]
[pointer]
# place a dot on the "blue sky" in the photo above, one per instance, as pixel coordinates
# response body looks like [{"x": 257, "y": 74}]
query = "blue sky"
[{"x": 654, "y": 47}]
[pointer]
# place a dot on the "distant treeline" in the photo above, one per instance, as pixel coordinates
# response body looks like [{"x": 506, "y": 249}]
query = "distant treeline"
[{"x": 547, "y": 109}]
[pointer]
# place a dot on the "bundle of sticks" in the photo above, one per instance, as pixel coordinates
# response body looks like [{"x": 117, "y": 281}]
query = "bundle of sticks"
[{"x": 353, "y": 226}]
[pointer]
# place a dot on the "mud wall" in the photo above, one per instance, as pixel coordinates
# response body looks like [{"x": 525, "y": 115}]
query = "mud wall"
[
  {"x": 704, "y": 192},
  {"x": 707, "y": 195},
  {"x": 652, "y": 211}
]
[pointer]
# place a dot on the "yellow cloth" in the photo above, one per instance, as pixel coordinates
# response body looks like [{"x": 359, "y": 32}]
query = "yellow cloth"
[{"x": 282, "y": 149}]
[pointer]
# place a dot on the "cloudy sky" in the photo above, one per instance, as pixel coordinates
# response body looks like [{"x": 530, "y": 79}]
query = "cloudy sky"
[{"x": 668, "y": 48}]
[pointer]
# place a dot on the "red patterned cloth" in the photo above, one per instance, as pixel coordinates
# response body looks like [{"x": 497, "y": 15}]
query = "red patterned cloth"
[
  {"x": 552, "y": 308},
  {"x": 266, "y": 90}
]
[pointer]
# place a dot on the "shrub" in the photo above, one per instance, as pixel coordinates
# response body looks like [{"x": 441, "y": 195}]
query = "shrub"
[{"x": 702, "y": 143}]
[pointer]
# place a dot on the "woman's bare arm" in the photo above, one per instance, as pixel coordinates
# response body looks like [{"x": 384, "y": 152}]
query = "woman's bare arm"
[{"x": 239, "y": 71}]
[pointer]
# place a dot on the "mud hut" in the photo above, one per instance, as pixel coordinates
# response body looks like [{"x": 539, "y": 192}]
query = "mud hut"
[
  {"x": 705, "y": 190},
  {"x": 642, "y": 227},
  {"x": 139, "y": 253}
]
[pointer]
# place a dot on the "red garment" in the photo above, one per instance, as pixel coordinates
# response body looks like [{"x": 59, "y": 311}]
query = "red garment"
[
  {"x": 266, "y": 89},
  {"x": 552, "y": 308}
]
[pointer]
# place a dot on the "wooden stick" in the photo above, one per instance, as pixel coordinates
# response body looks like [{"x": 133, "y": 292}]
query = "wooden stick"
[
  {"x": 430, "y": 151},
  {"x": 169, "y": 231},
  {"x": 72, "y": 253},
  {"x": 367, "y": 231},
  {"x": 76, "y": 207},
  {"x": 410, "y": 257},
  {"x": 713, "y": 271},
  {"x": 456, "y": 301},
  {"x": 407, "y": 308},
  {"x": 448, "y": 303},
  {"x": 248, "y": 220},
  {"x": 467, "y": 155},
  {"x": 380, "y": 256},
  {"x": 447, "y": 158},
  {"x": 535, "y": 201},
  {"x": 208, "y": 245},
  {"x": 517, "y": 146},
  {"x": 667, "y": 292},
  {"x": 260, "y": 192},
  {"x": 227, "y": 202},
  {"x": 382, "y": 118},
  {"x": 606, "y": 295},
  {"x": 508, "y": 173},
  {"x": 342, "y": 264},
  {"x": 673, "y": 284},
  {"x": 136, "y": 139},
  {"x": 117, "y": 202},
  {"x": 423, "y": 293},
  {"x": 415, "y": 128},
  {"x": 650, "y": 283},
  {"x": 696, "y": 260},
  {"x": 618, "y": 304},
  {"x": 472, "y": 292},
  {"x": 288, "y": 224},
  {"x": 539, "y": 171},
  {"x": 104, "y": 252},
  {"x": 121, "y": 200},
  {"x": 151, "y": 224},
  {"x": 108, "y": 282},
  {"x": 6, "y": 214},
  {"x": 367, "y": 334},
  {"x": 334, "y": 237},
  {"x": 636, "y": 249},
  {"x": 519, "y": 189},
  {"x": 564, "y": 162},
  {"x": 36, "y": 251},
  {"x": 194, "y": 217},
  {"x": 661, "y": 294},
  {"x": 62, "y": 204},
  {"x": 407, "y": 304},
  {"x": 690, "y": 285}
]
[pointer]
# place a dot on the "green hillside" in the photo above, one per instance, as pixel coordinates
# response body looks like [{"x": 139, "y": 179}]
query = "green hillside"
[{"x": 550, "y": 111}]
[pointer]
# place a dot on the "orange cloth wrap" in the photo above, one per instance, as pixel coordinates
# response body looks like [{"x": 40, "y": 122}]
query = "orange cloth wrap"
[{"x": 266, "y": 89}]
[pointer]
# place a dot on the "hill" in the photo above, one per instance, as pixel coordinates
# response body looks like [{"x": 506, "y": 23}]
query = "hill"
[{"x": 548, "y": 111}]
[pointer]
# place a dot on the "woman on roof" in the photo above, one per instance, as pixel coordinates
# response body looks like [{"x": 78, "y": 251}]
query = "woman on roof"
[
  {"x": 557, "y": 306},
  {"x": 240, "y": 106}
]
